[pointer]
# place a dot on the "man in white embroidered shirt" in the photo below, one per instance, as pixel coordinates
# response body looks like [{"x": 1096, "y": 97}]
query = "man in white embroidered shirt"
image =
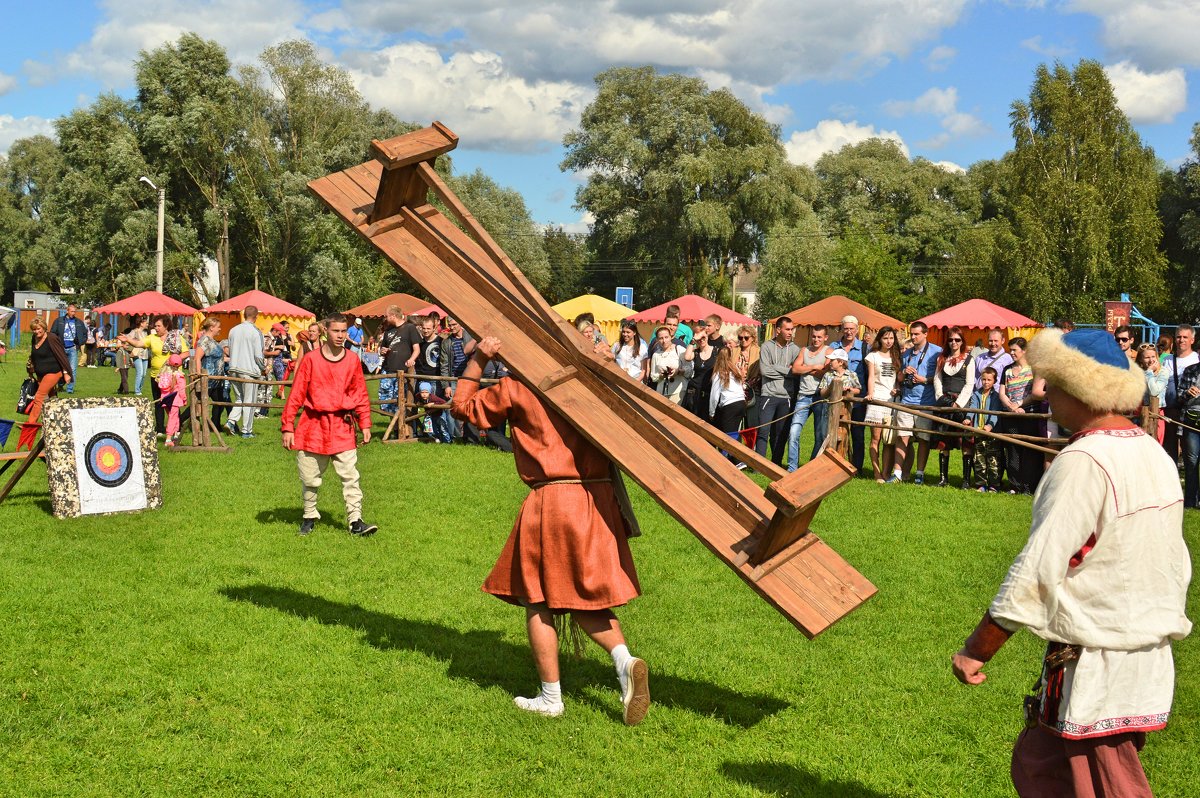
[{"x": 1103, "y": 579}]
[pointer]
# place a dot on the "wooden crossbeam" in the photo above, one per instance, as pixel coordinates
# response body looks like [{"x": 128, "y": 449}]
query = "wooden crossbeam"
[{"x": 764, "y": 536}]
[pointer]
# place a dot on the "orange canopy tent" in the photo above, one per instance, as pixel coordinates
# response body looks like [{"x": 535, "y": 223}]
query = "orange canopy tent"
[
  {"x": 975, "y": 317},
  {"x": 271, "y": 309},
  {"x": 692, "y": 308},
  {"x": 377, "y": 308},
  {"x": 830, "y": 311}
]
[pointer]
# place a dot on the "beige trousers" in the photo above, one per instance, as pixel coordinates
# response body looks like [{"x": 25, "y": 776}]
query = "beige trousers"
[{"x": 345, "y": 465}]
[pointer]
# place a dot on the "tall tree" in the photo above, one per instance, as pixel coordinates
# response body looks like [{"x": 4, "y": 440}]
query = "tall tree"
[
  {"x": 797, "y": 267},
  {"x": 503, "y": 214},
  {"x": 1083, "y": 199},
  {"x": 683, "y": 181},
  {"x": 29, "y": 176},
  {"x": 566, "y": 258},
  {"x": 1179, "y": 208},
  {"x": 187, "y": 123}
]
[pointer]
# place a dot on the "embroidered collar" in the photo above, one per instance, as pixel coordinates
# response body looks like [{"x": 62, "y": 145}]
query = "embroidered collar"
[{"x": 1116, "y": 432}]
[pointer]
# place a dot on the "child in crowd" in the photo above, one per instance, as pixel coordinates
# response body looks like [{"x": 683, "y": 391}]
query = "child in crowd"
[
  {"x": 987, "y": 450},
  {"x": 172, "y": 384},
  {"x": 838, "y": 362},
  {"x": 439, "y": 426}
]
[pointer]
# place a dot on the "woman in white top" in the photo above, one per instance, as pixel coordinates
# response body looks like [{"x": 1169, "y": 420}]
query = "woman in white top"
[
  {"x": 883, "y": 364},
  {"x": 727, "y": 396},
  {"x": 670, "y": 366},
  {"x": 1157, "y": 378},
  {"x": 631, "y": 351}
]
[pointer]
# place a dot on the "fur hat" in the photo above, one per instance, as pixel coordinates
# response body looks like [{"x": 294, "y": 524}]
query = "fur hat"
[{"x": 1089, "y": 365}]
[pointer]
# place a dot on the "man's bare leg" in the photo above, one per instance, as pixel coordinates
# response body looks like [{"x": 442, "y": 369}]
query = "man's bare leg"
[
  {"x": 543, "y": 640},
  {"x": 602, "y": 626}
]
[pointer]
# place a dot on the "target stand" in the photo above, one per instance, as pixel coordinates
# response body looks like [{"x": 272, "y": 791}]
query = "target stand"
[{"x": 101, "y": 456}]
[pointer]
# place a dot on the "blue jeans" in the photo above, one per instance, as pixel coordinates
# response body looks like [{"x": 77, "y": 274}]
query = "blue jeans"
[
  {"x": 803, "y": 410},
  {"x": 73, "y": 359},
  {"x": 139, "y": 374},
  {"x": 441, "y": 426},
  {"x": 1191, "y": 467},
  {"x": 388, "y": 392},
  {"x": 820, "y": 414}
]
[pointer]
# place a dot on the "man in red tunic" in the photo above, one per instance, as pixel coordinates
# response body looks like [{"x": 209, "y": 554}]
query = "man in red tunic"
[
  {"x": 330, "y": 394},
  {"x": 568, "y": 550}
]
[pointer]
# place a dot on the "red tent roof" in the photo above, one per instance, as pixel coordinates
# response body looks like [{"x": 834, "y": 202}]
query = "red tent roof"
[
  {"x": 267, "y": 304},
  {"x": 377, "y": 308},
  {"x": 832, "y": 310},
  {"x": 978, "y": 313},
  {"x": 148, "y": 302},
  {"x": 694, "y": 308}
]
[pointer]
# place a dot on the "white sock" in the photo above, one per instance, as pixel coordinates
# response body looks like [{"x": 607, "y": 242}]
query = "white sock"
[
  {"x": 552, "y": 692},
  {"x": 896, "y": 472},
  {"x": 918, "y": 473},
  {"x": 547, "y": 702},
  {"x": 620, "y": 658}
]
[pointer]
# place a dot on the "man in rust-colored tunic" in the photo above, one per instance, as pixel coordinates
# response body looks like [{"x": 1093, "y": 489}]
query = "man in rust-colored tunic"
[{"x": 568, "y": 550}]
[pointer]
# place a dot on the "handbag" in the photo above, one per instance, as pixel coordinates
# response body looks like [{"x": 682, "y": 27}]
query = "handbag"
[
  {"x": 25, "y": 398},
  {"x": 888, "y": 436}
]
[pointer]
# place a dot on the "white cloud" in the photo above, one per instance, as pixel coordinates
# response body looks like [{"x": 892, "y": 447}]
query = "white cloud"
[
  {"x": 943, "y": 104},
  {"x": 243, "y": 28},
  {"x": 940, "y": 57},
  {"x": 949, "y": 166},
  {"x": 12, "y": 128},
  {"x": 473, "y": 93},
  {"x": 760, "y": 42},
  {"x": 753, "y": 96},
  {"x": 7, "y": 83},
  {"x": 581, "y": 226},
  {"x": 830, "y": 135},
  {"x": 1148, "y": 97},
  {"x": 1055, "y": 51},
  {"x": 1156, "y": 34}
]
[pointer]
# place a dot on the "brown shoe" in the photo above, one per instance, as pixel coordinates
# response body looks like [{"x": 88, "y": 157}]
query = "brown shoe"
[{"x": 637, "y": 692}]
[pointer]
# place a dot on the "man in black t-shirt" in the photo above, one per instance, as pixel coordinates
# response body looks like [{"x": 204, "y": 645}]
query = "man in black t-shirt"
[
  {"x": 428, "y": 355},
  {"x": 398, "y": 345}
]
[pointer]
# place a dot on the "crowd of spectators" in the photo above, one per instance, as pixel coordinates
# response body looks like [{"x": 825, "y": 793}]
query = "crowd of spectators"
[{"x": 763, "y": 395}]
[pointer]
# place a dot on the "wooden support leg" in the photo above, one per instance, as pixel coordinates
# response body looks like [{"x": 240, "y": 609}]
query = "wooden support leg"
[{"x": 22, "y": 468}]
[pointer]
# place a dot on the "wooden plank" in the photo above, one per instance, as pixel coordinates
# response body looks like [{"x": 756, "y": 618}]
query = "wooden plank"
[
  {"x": 34, "y": 454},
  {"x": 420, "y": 145},
  {"x": 820, "y": 476}
]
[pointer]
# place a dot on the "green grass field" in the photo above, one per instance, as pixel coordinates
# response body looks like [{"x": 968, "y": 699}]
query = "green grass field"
[{"x": 205, "y": 649}]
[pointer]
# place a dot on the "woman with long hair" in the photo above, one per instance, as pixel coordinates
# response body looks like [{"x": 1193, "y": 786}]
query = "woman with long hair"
[
  {"x": 883, "y": 364},
  {"x": 139, "y": 330},
  {"x": 670, "y": 365},
  {"x": 700, "y": 383},
  {"x": 727, "y": 394},
  {"x": 747, "y": 352},
  {"x": 1017, "y": 396},
  {"x": 47, "y": 364},
  {"x": 952, "y": 386},
  {"x": 630, "y": 351}
]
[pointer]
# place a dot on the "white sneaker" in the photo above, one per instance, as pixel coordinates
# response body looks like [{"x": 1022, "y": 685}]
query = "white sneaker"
[
  {"x": 636, "y": 691},
  {"x": 540, "y": 705}
]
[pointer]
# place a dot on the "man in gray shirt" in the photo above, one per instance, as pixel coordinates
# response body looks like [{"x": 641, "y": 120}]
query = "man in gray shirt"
[
  {"x": 245, "y": 360},
  {"x": 775, "y": 360}
]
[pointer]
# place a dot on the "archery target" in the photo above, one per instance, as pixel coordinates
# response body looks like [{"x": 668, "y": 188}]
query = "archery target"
[{"x": 108, "y": 459}]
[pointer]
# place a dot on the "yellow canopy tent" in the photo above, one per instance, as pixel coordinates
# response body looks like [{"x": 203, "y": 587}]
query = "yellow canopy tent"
[{"x": 608, "y": 313}]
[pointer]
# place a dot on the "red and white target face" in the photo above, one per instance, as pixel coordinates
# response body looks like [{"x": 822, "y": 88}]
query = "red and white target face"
[{"x": 108, "y": 459}]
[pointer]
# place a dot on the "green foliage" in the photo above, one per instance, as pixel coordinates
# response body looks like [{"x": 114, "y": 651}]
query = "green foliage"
[
  {"x": 566, "y": 258},
  {"x": 683, "y": 181},
  {"x": 1083, "y": 195},
  {"x": 1179, "y": 208},
  {"x": 797, "y": 267}
]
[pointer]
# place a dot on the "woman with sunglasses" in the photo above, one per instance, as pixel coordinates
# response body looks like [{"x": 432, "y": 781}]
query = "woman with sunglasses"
[
  {"x": 747, "y": 360},
  {"x": 700, "y": 383},
  {"x": 952, "y": 385}
]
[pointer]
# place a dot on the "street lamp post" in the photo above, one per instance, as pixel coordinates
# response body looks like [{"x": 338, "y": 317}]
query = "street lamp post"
[{"x": 162, "y": 202}]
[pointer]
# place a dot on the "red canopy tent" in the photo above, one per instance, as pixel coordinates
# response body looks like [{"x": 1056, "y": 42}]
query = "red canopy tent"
[
  {"x": 376, "y": 308},
  {"x": 976, "y": 317},
  {"x": 151, "y": 302},
  {"x": 692, "y": 308}
]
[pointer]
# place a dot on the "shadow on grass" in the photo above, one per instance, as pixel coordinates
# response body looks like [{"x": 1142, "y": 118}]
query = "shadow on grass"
[
  {"x": 793, "y": 782},
  {"x": 483, "y": 658},
  {"x": 288, "y": 515}
]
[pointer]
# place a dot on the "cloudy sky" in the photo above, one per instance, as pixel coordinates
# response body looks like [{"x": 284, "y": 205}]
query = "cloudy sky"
[{"x": 511, "y": 79}]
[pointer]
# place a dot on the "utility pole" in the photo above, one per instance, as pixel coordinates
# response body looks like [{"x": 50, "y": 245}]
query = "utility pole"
[
  {"x": 223, "y": 266},
  {"x": 162, "y": 204}
]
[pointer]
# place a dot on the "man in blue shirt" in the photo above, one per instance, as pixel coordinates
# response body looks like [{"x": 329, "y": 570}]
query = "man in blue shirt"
[
  {"x": 73, "y": 334},
  {"x": 918, "y": 366},
  {"x": 354, "y": 338},
  {"x": 856, "y": 352}
]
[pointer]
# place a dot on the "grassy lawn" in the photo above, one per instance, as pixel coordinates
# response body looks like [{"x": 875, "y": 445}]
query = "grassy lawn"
[{"x": 205, "y": 649}]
